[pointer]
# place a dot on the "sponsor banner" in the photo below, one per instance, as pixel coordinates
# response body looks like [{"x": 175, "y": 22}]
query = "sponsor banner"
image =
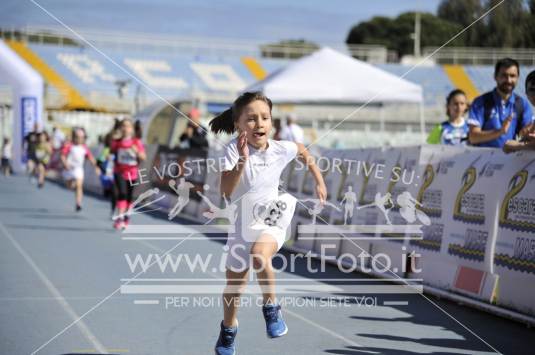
[
  {"x": 471, "y": 201},
  {"x": 181, "y": 174}
]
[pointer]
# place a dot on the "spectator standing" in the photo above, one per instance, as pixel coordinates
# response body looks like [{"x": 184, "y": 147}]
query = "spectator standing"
[
  {"x": 527, "y": 134},
  {"x": 499, "y": 115},
  {"x": 454, "y": 131},
  {"x": 6, "y": 156},
  {"x": 194, "y": 137},
  {"x": 292, "y": 132}
]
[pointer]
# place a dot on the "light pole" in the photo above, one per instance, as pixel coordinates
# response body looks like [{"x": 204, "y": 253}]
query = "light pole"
[{"x": 417, "y": 34}]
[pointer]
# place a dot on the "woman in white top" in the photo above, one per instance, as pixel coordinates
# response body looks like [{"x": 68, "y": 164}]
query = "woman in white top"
[
  {"x": 6, "y": 157},
  {"x": 251, "y": 173}
]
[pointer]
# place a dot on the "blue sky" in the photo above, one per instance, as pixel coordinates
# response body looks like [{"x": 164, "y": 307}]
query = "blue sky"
[{"x": 321, "y": 21}]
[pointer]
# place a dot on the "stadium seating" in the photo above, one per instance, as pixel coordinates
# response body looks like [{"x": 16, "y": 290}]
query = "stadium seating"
[{"x": 172, "y": 74}]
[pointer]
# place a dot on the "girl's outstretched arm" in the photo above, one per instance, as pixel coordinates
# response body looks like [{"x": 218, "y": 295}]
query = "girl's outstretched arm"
[
  {"x": 140, "y": 152},
  {"x": 308, "y": 159},
  {"x": 231, "y": 178},
  {"x": 93, "y": 162}
]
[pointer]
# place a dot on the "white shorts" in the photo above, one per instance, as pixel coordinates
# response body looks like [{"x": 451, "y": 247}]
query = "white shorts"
[
  {"x": 239, "y": 244},
  {"x": 238, "y": 249},
  {"x": 72, "y": 174}
]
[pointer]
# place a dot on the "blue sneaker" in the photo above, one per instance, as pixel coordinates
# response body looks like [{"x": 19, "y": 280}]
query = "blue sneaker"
[
  {"x": 225, "y": 343},
  {"x": 275, "y": 326}
]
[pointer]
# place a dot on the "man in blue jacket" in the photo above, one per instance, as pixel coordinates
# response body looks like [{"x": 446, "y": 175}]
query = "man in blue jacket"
[
  {"x": 498, "y": 116},
  {"x": 528, "y": 132}
]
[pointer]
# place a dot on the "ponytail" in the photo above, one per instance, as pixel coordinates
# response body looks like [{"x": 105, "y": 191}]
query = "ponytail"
[{"x": 224, "y": 122}]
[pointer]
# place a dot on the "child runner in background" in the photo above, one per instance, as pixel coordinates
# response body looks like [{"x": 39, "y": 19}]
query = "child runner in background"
[
  {"x": 30, "y": 142},
  {"x": 455, "y": 130},
  {"x": 73, "y": 156},
  {"x": 6, "y": 156},
  {"x": 105, "y": 162},
  {"x": 129, "y": 152},
  {"x": 43, "y": 152},
  {"x": 251, "y": 173}
]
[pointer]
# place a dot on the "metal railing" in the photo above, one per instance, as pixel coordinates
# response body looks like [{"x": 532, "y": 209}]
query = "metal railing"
[
  {"x": 213, "y": 46},
  {"x": 480, "y": 56},
  {"x": 190, "y": 45}
]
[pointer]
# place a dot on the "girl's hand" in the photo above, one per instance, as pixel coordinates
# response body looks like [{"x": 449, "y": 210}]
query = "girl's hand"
[
  {"x": 97, "y": 171},
  {"x": 321, "y": 192},
  {"x": 243, "y": 149}
]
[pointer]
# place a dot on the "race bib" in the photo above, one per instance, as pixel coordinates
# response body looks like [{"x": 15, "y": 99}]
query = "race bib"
[
  {"x": 74, "y": 160},
  {"x": 126, "y": 157},
  {"x": 277, "y": 213},
  {"x": 40, "y": 154}
]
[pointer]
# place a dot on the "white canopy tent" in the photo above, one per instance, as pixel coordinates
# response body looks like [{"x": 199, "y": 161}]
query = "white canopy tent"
[
  {"x": 27, "y": 89},
  {"x": 328, "y": 76}
]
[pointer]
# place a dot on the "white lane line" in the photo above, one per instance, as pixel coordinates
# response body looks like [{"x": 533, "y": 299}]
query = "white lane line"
[
  {"x": 306, "y": 320},
  {"x": 147, "y": 302},
  {"x": 395, "y": 303},
  {"x": 56, "y": 294}
]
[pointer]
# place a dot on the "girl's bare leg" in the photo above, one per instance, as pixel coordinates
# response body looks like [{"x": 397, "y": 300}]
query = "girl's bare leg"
[
  {"x": 262, "y": 252},
  {"x": 236, "y": 282},
  {"x": 41, "y": 172},
  {"x": 78, "y": 184},
  {"x": 69, "y": 184}
]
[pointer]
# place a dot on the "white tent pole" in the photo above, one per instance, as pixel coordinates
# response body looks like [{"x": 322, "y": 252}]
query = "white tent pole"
[
  {"x": 422, "y": 121},
  {"x": 382, "y": 118}
]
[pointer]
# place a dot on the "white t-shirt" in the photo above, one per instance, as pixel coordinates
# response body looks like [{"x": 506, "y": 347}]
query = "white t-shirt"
[
  {"x": 6, "y": 151},
  {"x": 76, "y": 156},
  {"x": 293, "y": 133},
  {"x": 259, "y": 183}
]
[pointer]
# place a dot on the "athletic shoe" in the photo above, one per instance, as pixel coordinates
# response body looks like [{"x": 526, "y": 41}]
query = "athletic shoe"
[
  {"x": 275, "y": 326},
  {"x": 118, "y": 224},
  {"x": 125, "y": 223},
  {"x": 225, "y": 343},
  {"x": 78, "y": 208}
]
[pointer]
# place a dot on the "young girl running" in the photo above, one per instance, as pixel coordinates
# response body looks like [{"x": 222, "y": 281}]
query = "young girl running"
[
  {"x": 251, "y": 173},
  {"x": 129, "y": 152},
  {"x": 43, "y": 151},
  {"x": 105, "y": 162},
  {"x": 73, "y": 156}
]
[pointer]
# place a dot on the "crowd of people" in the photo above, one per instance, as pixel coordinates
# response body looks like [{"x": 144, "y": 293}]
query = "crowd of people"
[
  {"x": 118, "y": 156},
  {"x": 500, "y": 118}
]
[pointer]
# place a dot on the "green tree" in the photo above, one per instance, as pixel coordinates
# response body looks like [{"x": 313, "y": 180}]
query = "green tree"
[
  {"x": 464, "y": 13},
  {"x": 396, "y": 33},
  {"x": 529, "y": 26},
  {"x": 511, "y": 24},
  {"x": 504, "y": 24}
]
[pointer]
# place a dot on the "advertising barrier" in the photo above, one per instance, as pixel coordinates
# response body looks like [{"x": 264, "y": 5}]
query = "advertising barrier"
[{"x": 464, "y": 216}]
